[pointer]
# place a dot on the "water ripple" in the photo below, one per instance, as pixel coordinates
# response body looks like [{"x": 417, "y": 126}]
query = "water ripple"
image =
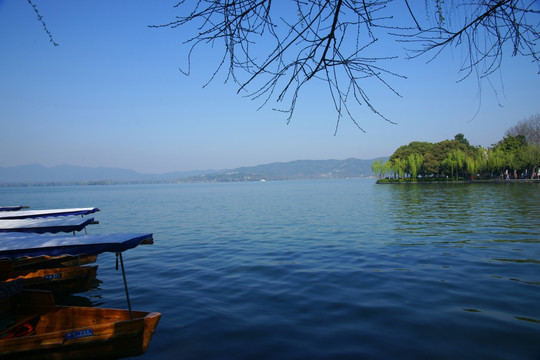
[{"x": 323, "y": 269}]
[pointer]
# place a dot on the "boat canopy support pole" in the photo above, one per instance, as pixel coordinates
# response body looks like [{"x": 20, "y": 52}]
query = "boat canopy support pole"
[{"x": 125, "y": 284}]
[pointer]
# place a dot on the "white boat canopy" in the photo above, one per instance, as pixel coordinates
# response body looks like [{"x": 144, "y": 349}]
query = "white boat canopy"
[
  {"x": 46, "y": 225},
  {"x": 24, "y": 214}
]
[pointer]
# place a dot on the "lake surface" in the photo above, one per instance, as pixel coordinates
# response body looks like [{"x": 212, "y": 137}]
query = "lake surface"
[{"x": 342, "y": 269}]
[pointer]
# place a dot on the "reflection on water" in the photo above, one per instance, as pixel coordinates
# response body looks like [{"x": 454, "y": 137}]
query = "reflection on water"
[
  {"x": 483, "y": 214},
  {"x": 520, "y": 260},
  {"x": 527, "y": 319},
  {"x": 84, "y": 299}
]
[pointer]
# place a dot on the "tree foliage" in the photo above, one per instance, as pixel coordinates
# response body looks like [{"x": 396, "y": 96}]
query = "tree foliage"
[
  {"x": 461, "y": 138},
  {"x": 271, "y": 50},
  {"x": 457, "y": 159}
]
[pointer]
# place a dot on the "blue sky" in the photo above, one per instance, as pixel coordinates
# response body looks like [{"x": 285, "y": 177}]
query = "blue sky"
[{"x": 112, "y": 95}]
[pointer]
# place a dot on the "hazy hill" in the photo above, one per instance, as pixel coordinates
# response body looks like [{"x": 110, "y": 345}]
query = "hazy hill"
[
  {"x": 39, "y": 174},
  {"x": 302, "y": 169}
]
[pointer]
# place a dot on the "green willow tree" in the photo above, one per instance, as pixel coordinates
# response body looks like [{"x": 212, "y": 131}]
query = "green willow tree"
[
  {"x": 377, "y": 168},
  {"x": 398, "y": 167},
  {"x": 512, "y": 157},
  {"x": 477, "y": 162},
  {"x": 459, "y": 157},
  {"x": 472, "y": 165},
  {"x": 496, "y": 161},
  {"x": 450, "y": 162},
  {"x": 415, "y": 162}
]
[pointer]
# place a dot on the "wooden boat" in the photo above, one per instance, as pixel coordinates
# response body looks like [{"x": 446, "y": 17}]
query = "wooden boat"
[
  {"x": 46, "y": 262},
  {"x": 33, "y": 328},
  {"x": 60, "y": 281},
  {"x": 38, "y": 329},
  {"x": 48, "y": 224}
]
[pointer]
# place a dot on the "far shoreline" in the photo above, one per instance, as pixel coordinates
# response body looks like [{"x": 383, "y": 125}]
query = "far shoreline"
[{"x": 444, "y": 181}]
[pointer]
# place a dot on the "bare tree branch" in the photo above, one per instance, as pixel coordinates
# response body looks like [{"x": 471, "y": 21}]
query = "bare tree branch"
[
  {"x": 272, "y": 50},
  {"x": 40, "y": 19},
  {"x": 485, "y": 34},
  {"x": 314, "y": 46}
]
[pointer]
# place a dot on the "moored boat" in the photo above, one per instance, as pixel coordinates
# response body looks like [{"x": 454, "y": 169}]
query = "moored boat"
[
  {"x": 48, "y": 262},
  {"x": 16, "y": 246},
  {"x": 46, "y": 224},
  {"x": 32, "y": 327},
  {"x": 37, "y": 329},
  {"x": 41, "y": 225},
  {"x": 60, "y": 281}
]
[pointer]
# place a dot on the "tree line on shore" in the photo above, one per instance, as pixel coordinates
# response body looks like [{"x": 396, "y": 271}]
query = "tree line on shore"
[{"x": 517, "y": 155}]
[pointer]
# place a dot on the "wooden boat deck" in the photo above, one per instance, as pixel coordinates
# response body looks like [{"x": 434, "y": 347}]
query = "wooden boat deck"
[{"x": 58, "y": 332}]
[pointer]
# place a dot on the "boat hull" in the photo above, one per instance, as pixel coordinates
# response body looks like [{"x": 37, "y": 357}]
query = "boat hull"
[
  {"x": 46, "y": 262},
  {"x": 61, "y": 281},
  {"x": 83, "y": 333}
]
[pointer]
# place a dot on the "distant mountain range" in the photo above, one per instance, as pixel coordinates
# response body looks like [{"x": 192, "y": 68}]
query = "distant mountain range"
[
  {"x": 69, "y": 174},
  {"x": 294, "y": 170},
  {"x": 36, "y": 174}
]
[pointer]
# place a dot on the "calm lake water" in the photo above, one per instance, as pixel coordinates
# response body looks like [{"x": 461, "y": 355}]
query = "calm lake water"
[{"x": 322, "y": 269}]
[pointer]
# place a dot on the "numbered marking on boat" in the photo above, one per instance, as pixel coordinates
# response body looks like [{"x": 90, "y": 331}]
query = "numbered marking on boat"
[
  {"x": 53, "y": 276},
  {"x": 79, "y": 334}
]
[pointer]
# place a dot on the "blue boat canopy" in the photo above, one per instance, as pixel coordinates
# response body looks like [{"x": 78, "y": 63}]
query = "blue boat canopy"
[
  {"x": 46, "y": 225},
  {"x": 25, "y": 214},
  {"x": 11, "y": 208},
  {"x": 15, "y": 246}
]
